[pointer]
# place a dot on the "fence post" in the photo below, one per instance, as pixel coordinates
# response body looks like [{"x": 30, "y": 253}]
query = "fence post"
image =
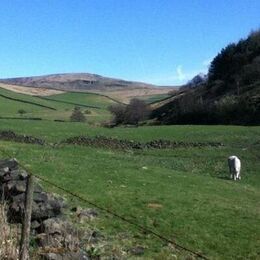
[{"x": 26, "y": 225}]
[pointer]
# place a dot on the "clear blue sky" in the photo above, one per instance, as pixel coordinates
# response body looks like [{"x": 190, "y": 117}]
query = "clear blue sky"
[{"x": 157, "y": 41}]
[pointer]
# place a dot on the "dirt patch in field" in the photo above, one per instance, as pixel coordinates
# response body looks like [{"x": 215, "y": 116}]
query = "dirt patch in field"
[{"x": 31, "y": 91}]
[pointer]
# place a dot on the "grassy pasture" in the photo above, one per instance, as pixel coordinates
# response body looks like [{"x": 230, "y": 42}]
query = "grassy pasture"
[
  {"x": 200, "y": 208},
  {"x": 90, "y": 99},
  {"x": 52, "y": 131},
  {"x": 9, "y": 108},
  {"x": 196, "y": 204}
]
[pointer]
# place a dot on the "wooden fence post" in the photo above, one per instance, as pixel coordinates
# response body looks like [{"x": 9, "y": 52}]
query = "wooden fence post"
[{"x": 26, "y": 225}]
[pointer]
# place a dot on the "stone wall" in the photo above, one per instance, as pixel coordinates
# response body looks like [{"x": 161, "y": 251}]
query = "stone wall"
[{"x": 49, "y": 227}]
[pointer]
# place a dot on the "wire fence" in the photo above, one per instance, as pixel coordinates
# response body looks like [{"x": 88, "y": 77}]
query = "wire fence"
[{"x": 16, "y": 187}]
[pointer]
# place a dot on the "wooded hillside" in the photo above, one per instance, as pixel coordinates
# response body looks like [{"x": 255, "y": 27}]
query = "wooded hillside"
[{"x": 230, "y": 96}]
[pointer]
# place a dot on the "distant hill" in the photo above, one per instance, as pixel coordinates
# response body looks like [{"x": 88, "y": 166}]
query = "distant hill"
[
  {"x": 76, "y": 81},
  {"x": 119, "y": 89},
  {"x": 231, "y": 95}
]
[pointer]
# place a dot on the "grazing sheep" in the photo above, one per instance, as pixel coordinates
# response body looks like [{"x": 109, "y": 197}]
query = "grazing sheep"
[{"x": 234, "y": 167}]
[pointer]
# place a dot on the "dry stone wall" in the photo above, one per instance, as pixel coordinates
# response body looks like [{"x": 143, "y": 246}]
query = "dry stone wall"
[{"x": 49, "y": 227}]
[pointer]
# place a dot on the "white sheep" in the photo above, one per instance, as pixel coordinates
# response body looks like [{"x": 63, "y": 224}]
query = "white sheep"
[{"x": 234, "y": 167}]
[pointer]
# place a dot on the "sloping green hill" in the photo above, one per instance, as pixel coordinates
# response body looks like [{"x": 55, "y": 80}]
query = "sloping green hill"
[
  {"x": 86, "y": 99},
  {"x": 11, "y": 103},
  {"x": 58, "y": 107}
]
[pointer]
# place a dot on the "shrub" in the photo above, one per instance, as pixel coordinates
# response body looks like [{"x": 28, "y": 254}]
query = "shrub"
[
  {"x": 87, "y": 112},
  {"x": 77, "y": 115}
]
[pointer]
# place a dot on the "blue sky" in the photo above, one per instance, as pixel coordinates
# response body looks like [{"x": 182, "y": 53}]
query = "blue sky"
[{"x": 164, "y": 42}]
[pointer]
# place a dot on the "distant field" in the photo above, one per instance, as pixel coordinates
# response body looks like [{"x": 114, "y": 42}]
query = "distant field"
[
  {"x": 89, "y": 99},
  {"x": 197, "y": 205},
  {"x": 63, "y": 110}
]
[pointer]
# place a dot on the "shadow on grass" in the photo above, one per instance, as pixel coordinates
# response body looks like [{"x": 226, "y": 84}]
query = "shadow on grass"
[
  {"x": 224, "y": 178},
  {"x": 221, "y": 176}
]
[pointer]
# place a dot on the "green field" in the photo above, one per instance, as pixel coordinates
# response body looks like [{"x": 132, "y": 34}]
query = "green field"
[
  {"x": 89, "y": 99},
  {"x": 198, "y": 206},
  {"x": 63, "y": 108}
]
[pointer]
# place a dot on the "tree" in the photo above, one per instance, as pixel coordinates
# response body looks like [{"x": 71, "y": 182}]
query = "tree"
[
  {"x": 237, "y": 59},
  {"x": 132, "y": 114},
  {"x": 21, "y": 112},
  {"x": 77, "y": 115},
  {"x": 136, "y": 111},
  {"x": 118, "y": 112}
]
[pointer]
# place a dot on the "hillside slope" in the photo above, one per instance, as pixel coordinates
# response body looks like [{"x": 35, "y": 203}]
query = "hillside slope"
[
  {"x": 118, "y": 89},
  {"x": 230, "y": 96},
  {"x": 55, "y": 107}
]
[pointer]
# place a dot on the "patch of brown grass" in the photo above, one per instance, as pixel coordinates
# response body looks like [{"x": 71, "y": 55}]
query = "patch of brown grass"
[
  {"x": 30, "y": 90},
  {"x": 125, "y": 95}
]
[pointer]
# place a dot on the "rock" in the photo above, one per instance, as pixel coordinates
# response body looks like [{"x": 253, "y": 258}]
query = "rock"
[
  {"x": 37, "y": 188},
  {"x": 6, "y": 170},
  {"x": 3, "y": 173},
  {"x": 57, "y": 233},
  {"x": 35, "y": 224},
  {"x": 10, "y": 185},
  {"x": 54, "y": 225},
  {"x": 44, "y": 210},
  {"x": 19, "y": 198},
  {"x": 19, "y": 187},
  {"x": 40, "y": 197},
  {"x": 56, "y": 203},
  {"x": 23, "y": 175},
  {"x": 6, "y": 174},
  {"x": 11, "y": 164},
  {"x": 44, "y": 205},
  {"x": 15, "y": 211},
  {"x": 51, "y": 256},
  {"x": 85, "y": 214},
  {"x": 18, "y": 174}
]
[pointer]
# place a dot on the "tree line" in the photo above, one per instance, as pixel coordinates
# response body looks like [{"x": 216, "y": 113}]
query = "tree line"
[{"x": 231, "y": 95}]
